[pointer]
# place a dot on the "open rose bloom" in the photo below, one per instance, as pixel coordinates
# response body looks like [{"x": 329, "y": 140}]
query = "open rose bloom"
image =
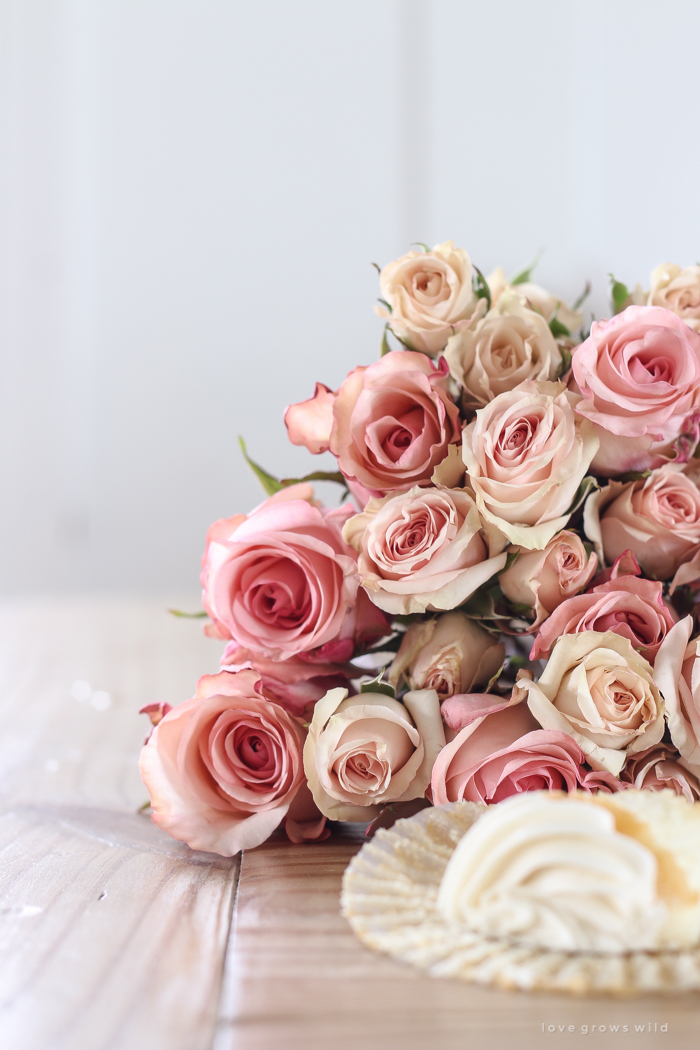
[{"x": 507, "y": 601}]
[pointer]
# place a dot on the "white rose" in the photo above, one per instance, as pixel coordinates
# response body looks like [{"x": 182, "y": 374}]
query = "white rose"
[{"x": 678, "y": 290}]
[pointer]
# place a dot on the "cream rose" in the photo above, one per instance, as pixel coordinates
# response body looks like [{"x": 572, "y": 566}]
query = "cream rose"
[
  {"x": 511, "y": 344},
  {"x": 536, "y": 297},
  {"x": 368, "y": 750},
  {"x": 430, "y": 296},
  {"x": 542, "y": 580},
  {"x": 526, "y": 454},
  {"x": 421, "y": 550},
  {"x": 657, "y": 518},
  {"x": 450, "y": 654},
  {"x": 678, "y": 290},
  {"x": 677, "y": 672},
  {"x": 598, "y": 689},
  {"x": 554, "y": 873}
]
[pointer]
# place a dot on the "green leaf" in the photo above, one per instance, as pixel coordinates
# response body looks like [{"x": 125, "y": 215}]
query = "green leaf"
[
  {"x": 144, "y": 806},
  {"x": 268, "y": 481},
  {"x": 524, "y": 276},
  {"x": 583, "y": 296},
  {"x": 188, "y": 615},
  {"x": 377, "y": 685},
  {"x": 420, "y": 245},
  {"x": 377, "y": 267},
  {"x": 494, "y": 678},
  {"x": 565, "y": 361},
  {"x": 481, "y": 287},
  {"x": 620, "y": 293},
  {"x": 633, "y": 475},
  {"x": 316, "y": 475},
  {"x": 385, "y": 303},
  {"x": 511, "y": 559},
  {"x": 384, "y": 349},
  {"x": 584, "y": 490},
  {"x": 557, "y": 328}
]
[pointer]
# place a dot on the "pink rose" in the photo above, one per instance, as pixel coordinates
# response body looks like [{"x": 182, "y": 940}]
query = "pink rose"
[
  {"x": 421, "y": 550},
  {"x": 628, "y": 606},
  {"x": 542, "y": 580},
  {"x": 450, "y": 654},
  {"x": 658, "y": 768},
  {"x": 505, "y": 753},
  {"x": 280, "y": 580},
  {"x": 365, "y": 751},
  {"x": 293, "y": 683},
  {"x": 430, "y": 296},
  {"x": 223, "y": 768},
  {"x": 677, "y": 673},
  {"x": 393, "y": 422},
  {"x": 657, "y": 518},
  {"x": 526, "y": 454},
  {"x": 309, "y": 422},
  {"x": 639, "y": 374}
]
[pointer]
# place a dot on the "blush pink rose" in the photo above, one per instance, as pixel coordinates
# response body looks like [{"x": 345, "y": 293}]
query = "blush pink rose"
[
  {"x": 223, "y": 768},
  {"x": 542, "y": 580},
  {"x": 659, "y": 768},
  {"x": 281, "y": 580},
  {"x": 293, "y": 683},
  {"x": 656, "y": 518},
  {"x": 628, "y": 606},
  {"x": 393, "y": 422},
  {"x": 639, "y": 374},
  {"x": 526, "y": 454},
  {"x": 309, "y": 422},
  {"x": 505, "y": 753},
  {"x": 421, "y": 550}
]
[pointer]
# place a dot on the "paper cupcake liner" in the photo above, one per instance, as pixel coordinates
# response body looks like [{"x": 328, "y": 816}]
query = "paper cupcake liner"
[{"x": 389, "y": 898}]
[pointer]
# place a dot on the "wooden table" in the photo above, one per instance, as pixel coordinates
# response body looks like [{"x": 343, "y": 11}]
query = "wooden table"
[{"x": 114, "y": 936}]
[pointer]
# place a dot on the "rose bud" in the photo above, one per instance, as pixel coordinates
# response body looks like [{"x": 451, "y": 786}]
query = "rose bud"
[
  {"x": 542, "y": 580},
  {"x": 450, "y": 654}
]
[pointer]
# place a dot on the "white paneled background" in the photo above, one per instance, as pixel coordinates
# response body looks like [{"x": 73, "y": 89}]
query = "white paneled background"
[{"x": 192, "y": 192}]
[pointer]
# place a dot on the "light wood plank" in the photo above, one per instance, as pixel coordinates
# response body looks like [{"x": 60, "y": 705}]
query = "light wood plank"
[{"x": 113, "y": 935}]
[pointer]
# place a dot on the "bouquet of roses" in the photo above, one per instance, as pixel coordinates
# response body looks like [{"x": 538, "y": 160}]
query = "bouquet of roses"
[{"x": 518, "y": 559}]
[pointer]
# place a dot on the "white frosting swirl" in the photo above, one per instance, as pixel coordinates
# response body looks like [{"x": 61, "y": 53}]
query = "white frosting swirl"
[{"x": 551, "y": 872}]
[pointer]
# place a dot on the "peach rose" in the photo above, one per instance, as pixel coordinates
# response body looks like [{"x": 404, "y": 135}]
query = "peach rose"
[
  {"x": 657, "y": 518},
  {"x": 677, "y": 672},
  {"x": 628, "y": 606},
  {"x": 659, "y": 768},
  {"x": 309, "y": 423},
  {"x": 542, "y": 580},
  {"x": 393, "y": 422},
  {"x": 421, "y": 550},
  {"x": 526, "y": 454},
  {"x": 223, "y": 768},
  {"x": 450, "y": 654},
  {"x": 511, "y": 344},
  {"x": 678, "y": 290},
  {"x": 639, "y": 374},
  {"x": 430, "y": 296},
  {"x": 368, "y": 750},
  {"x": 536, "y": 298},
  {"x": 601, "y": 692},
  {"x": 505, "y": 753},
  {"x": 280, "y": 580}
]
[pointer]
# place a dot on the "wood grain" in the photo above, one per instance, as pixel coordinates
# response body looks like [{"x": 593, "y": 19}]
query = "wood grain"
[{"x": 115, "y": 937}]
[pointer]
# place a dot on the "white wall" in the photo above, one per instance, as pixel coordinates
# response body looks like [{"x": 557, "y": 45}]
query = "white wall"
[{"x": 191, "y": 194}]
